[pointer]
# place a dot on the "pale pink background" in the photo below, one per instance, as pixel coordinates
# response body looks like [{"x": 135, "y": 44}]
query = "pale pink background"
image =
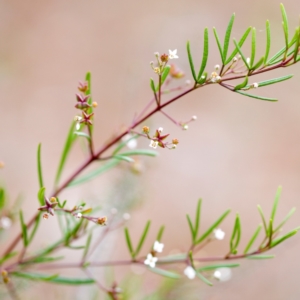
[{"x": 234, "y": 156}]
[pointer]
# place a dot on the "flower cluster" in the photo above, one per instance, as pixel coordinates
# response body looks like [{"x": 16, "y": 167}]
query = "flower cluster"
[
  {"x": 151, "y": 259},
  {"x": 162, "y": 61}
]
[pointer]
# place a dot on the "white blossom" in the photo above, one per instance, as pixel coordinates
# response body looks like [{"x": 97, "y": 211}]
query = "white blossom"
[
  {"x": 160, "y": 129},
  {"x": 173, "y": 54},
  {"x": 5, "y": 222},
  {"x": 219, "y": 234},
  {"x": 189, "y": 272},
  {"x": 126, "y": 216},
  {"x": 185, "y": 127},
  {"x": 194, "y": 118},
  {"x": 77, "y": 119},
  {"x": 151, "y": 260},
  {"x": 78, "y": 215},
  {"x": 153, "y": 144},
  {"x": 255, "y": 85},
  {"x": 223, "y": 274},
  {"x": 131, "y": 142},
  {"x": 158, "y": 247}
]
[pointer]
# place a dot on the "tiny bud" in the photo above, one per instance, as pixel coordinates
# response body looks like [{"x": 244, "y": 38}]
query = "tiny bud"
[
  {"x": 6, "y": 280},
  {"x": 248, "y": 60},
  {"x": 114, "y": 211},
  {"x": 45, "y": 216},
  {"x": 77, "y": 118},
  {"x": 151, "y": 63},
  {"x": 218, "y": 78},
  {"x": 146, "y": 129},
  {"x": 217, "y": 67},
  {"x": 239, "y": 56},
  {"x": 1, "y": 164},
  {"x": 175, "y": 141},
  {"x": 80, "y": 207},
  {"x": 94, "y": 104},
  {"x": 185, "y": 127},
  {"x": 175, "y": 72},
  {"x": 156, "y": 70},
  {"x": 255, "y": 85},
  {"x": 52, "y": 199},
  {"x": 83, "y": 87},
  {"x": 174, "y": 146},
  {"x": 160, "y": 129},
  {"x": 126, "y": 216},
  {"x": 78, "y": 215},
  {"x": 164, "y": 58},
  {"x": 194, "y": 118},
  {"x": 4, "y": 273},
  {"x": 156, "y": 54},
  {"x": 102, "y": 221},
  {"x": 234, "y": 59}
]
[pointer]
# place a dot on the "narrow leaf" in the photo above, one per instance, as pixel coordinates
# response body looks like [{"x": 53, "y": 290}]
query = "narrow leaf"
[
  {"x": 236, "y": 235},
  {"x": 253, "y": 238},
  {"x": 41, "y": 196},
  {"x": 164, "y": 75},
  {"x": 8, "y": 256},
  {"x": 219, "y": 44},
  {"x": 285, "y": 25},
  {"x": 285, "y": 219},
  {"x": 210, "y": 229},
  {"x": 283, "y": 238},
  {"x": 227, "y": 37},
  {"x": 39, "y": 166},
  {"x": 128, "y": 241},
  {"x": 253, "y": 47},
  {"x": 35, "y": 228},
  {"x": 203, "y": 78},
  {"x": 142, "y": 239},
  {"x": 87, "y": 246},
  {"x": 191, "y": 227},
  {"x": 258, "y": 64},
  {"x": 83, "y": 134},
  {"x": 275, "y": 205},
  {"x": 213, "y": 267},
  {"x": 146, "y": 152},
  {"x": 191, "y": 61},
  {"x": 274, "y": 80},
  {"x": 296, "y": 50},
  {"x": 160, "y": 233},
  {"x": 241, "y": 53},
  {"x": 241, "y": 85},
  {"x": 197, "y": 219},
  {"x": 24, "y": 229},
  {"x": 241, "y": 42},
  {"x": 268, "y": 43},
  {"x": 152, "y": 85},
  {"x": 53, "y": 278},
  {"x": 2, "y": 198},
  {"x": 68, "y": 145},
  {"x": 125, "y": 158},
  {"x": 260, "y": 256},
  {"x": 124, "y": 143},
  {"x": 88, "y": 79},
  {"x": 263, "y": 219},
  {"x": 257, "y": 97},
  {"x": 42, "y": 260},
  {"x": 204, "y": 279},
  {"x": 165, "y": 273},
  {"x": 95, "y": 173},
  {"x": 205, "y": 54},
  {"x": 172, "y": 258}
]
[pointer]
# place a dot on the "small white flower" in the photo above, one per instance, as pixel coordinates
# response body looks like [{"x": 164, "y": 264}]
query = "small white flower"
[
  {"x": 151, "y": 260},
  {"x": 248, "y": 60},
  {"x": 194, "y": 118},
  {"x": 189, "y": 272},
  {"x": 255, "y": 85},
  {"x": 153, "y": 144},
  {"x": 126, "y": 216},
  {"x": 160, "y": 129},
  {"x": 234, "y": 59},
  {"x": 132, "y": 143},
  {"x": 158, "y": 247},
  {"x": 223, "y": 274},
  {"x": 77, "y": 119},
  {"x": 173, "y": 54},
  {"x": 174, "y": 146},
  {"x": 185, "y": 127},
  {"x": 217, "y": 67},
  {"x": 5, "y": 222},
  {"x": 78, "y": 215},
  {"x": 219, "y": 234}
]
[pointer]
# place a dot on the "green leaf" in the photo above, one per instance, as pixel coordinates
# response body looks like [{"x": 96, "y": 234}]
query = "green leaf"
[
  {"x": 275, "y": 205},
  {"x": 258, "y": 64},
  {"x": 236, "y": 235},
  {"x": 268, "y": 43},
  {"x": 263, "y": 219},
  {"x": 164, "y": 75},
  {"x": 41, "y": 196},
  {"x": 274, "y": 80},
  {"x": 68, "y": 145},
  {"x": 173, "y": 258},
  {"x": 279, "y": 240},
  {"x": 146, "y": 152},
  {"x": 88, "y": 79},
  {"x": 257, "y": 97},
  {"x": 129, "y": 244},
  {"x": 285, "y": 25},
  {"x": 241, "y": 53},
  {"x": 210, "y": 229},
  {"x": 165, "y": 273},
  {"x": 24, "y": 229},
  {"x": 53, "y": 278},
  {"x": 83, "y": 134},
  {"x": 219, "y": 44},
  {"x": 241, "y": 42},
  {"x": 95, "y": 173},
  {"x": 227, "y": 37},
  {"x": 152, "y": 85},
  {"x": 8, "y": 256},
  {"x": 191, "y": 227},
  {"x": 241, "y": 85},
  {"x": 253, "y": 47},
  {"x": 260, "y": 256},
  {"x": 197, "y": 218},
  {"x": 204, "y": 279},
  {"x": 191, "y": 61},
  {"x": 39, "y": 166},
  {"x": 285, "y": 219},
  {"x": 253, "y": 238},
  {"x": 160, "y": 233},
  {"x": 125, "y": 158},
  {"x": 203, "y": 78},
  {"x": 205, "y": 55},
  {"x": 87, "y": 246},
  {"x": 35, "y": 228},
  {"x": 124, "y": 143},
  {"x": 296, "y": 50},
  {"x": 213, "y": 267},
  {"x": 142, "y": 239},
  {"x": 2, "y": 198},
  {"x": 42, "y": 259}
]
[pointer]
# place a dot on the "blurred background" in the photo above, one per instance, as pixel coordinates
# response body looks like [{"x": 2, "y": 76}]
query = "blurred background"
[{"x": 234, "y": 156}]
